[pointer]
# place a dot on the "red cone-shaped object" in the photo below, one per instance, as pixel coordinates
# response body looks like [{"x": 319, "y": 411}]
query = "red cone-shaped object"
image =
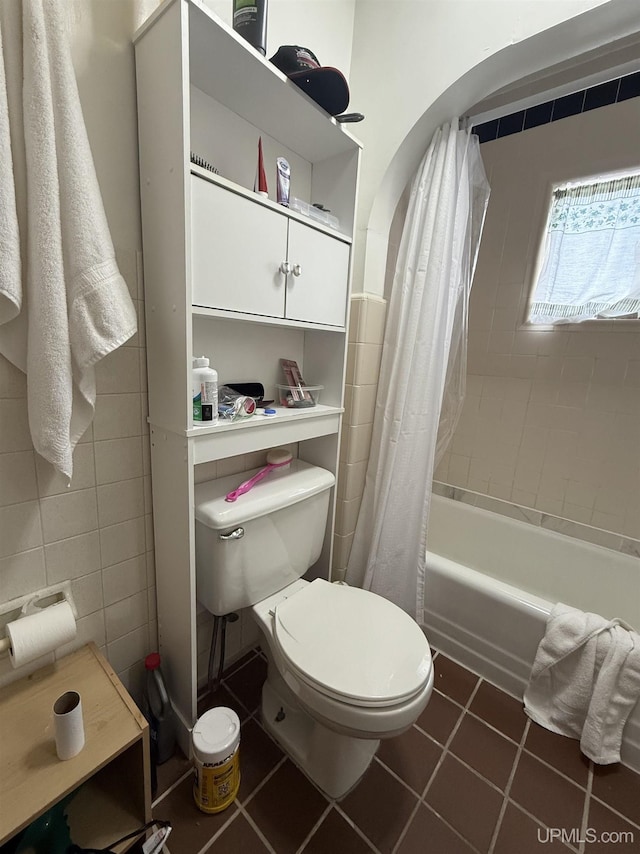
[{"x": 261, "y": 176}]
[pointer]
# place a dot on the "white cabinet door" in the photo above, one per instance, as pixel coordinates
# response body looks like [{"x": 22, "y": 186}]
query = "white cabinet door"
[
  {"x": 237, "y": 248},
  {"x": 318, "y": 294}
]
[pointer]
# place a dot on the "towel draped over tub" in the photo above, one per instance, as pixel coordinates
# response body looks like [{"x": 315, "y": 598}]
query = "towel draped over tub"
[
  {"x": 63, "y": 303},
  {"x": 585, "y": 680}
]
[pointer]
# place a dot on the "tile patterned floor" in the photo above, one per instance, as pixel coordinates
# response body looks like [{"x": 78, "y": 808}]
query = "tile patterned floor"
[{"x": 473, "y": 775}]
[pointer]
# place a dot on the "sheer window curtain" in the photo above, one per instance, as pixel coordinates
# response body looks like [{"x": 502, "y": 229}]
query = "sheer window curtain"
[
  {"x": 425, "y": 325},
  {"x": 591, "y": 265}
]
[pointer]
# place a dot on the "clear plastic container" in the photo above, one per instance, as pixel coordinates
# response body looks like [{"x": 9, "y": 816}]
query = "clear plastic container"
[
  {"x": 299, "y": 397},
  {"x": 324, "y": 217}
]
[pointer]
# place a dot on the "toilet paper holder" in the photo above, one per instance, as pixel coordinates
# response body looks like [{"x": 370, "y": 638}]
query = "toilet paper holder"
[{"x": 33, "y": 603}]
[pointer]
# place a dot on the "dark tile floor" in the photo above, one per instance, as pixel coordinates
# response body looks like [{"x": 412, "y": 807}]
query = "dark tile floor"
[{"x": 473, "y": 775}]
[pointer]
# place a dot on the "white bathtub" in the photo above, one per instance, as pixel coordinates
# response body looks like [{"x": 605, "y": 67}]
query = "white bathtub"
[{"x": 492, "y": 581}]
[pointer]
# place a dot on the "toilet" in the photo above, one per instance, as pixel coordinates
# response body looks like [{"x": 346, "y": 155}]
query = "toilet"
[{"x": 346, "y": 667}]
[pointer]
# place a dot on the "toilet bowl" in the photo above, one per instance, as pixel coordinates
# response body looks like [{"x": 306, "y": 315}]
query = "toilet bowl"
[
  {"x": 346, "y": 667},
  {"x": 350, "y": 656}
]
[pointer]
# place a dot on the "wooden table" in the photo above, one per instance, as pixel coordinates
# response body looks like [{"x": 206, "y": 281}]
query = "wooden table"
[{"x": 112, "y": 768}]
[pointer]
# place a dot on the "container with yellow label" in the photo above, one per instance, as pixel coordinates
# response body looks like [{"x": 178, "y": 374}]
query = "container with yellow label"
[{"x": 215, "y": 742}]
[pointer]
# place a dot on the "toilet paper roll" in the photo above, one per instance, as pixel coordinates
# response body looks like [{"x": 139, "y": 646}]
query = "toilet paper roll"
[
  {"x": 37, "y": 634},
  {"x": 68, "y": 725}
]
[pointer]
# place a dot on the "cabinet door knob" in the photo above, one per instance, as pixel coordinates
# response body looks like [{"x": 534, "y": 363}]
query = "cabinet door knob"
[
  {"x": 285, "y": 268},
  {"x": 297, "y": 270}
]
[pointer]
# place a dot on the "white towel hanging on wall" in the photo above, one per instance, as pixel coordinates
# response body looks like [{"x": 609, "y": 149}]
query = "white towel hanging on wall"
[
  {"x": 11, "y": 265},
  {"x": 73, "y": 305}
]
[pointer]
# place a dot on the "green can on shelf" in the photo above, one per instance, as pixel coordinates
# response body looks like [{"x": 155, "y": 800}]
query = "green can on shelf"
[{"x": 215, "y": 742}]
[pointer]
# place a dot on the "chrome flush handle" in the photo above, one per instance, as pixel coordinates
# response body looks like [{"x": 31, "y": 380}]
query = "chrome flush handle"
[{"x": 236, "y": 534}]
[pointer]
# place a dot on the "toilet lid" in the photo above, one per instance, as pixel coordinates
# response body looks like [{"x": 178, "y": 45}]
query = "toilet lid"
[{"x": 352, "y": 644}]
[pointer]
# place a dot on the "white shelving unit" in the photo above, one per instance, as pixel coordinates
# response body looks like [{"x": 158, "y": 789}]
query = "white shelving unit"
[{"x": 213, "y": 256}]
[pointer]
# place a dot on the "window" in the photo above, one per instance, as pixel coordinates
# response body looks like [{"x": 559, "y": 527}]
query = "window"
[{"x": 589, "y": 265}]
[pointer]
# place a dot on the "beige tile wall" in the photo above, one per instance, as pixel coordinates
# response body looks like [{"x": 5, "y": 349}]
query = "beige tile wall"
[
  {"x": 552, "y": 418},
  {"x": 366, "y": 332},
  {"x": 98, "y": 533}
]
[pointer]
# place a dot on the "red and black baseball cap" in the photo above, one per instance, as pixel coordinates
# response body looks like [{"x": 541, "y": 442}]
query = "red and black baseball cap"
[{"x": 325, "y": 85}]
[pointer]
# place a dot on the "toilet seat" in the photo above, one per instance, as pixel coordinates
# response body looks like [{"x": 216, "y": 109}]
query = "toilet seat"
[{"x": 352, "y": 645}]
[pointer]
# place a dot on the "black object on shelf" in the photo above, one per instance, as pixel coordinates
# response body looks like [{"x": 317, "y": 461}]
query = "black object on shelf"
[
  {"x": 200, "y": 161},
  {"x": 349, "y": 117},
  {"x": 254, "y": 390},
  {"x": 250, "y": 22},
  {"x": 325, "y": 85}
]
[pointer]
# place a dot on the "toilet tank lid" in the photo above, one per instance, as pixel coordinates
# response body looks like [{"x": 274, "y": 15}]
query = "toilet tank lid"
[{"x": 280, "y": 488}]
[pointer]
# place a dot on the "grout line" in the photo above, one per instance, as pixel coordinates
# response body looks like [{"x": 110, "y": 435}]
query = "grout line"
[
  {"x": 537, "y": 820},
  {"x": 632, "y": 821},
  {"x": 429, "y": 735},
  {"x": 585, "y": 808},
  {"x": 218, "y": 832},
  {"x": 307, "y": 838},
  {"x": 445, "y": 750},
  {"x": 507, "y": 788},
  {"x": 458, "y": 723},
  {"x": 619, "y": 82},
  {"x": 236, "y": 667},
  {"x": 235, "y": 697},
  {"x": 396, "y": 777},
  {"x": 257, "y": 830},
  {"x": 510, "y": 800},
  {"x": 557, "y": 770},
  {"x": 504, "y": 793},
  {"x": 474, "y": 771},
  {"x": 493, "y": 728},
  {"x": 242, "y": 811},
  {"x": 447, "y": 697},
  {"x": 262, "y": 783},
  {"x": 453, "y": 829},
  {"x": 171, "y": 788},
  {"x": 355, "y": 827}
]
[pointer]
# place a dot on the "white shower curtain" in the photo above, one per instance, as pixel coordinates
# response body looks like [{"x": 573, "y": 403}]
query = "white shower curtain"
[{"x": 427, "y": 305}]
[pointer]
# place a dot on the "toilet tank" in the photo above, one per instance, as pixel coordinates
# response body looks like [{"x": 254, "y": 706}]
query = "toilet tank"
[{"x": 252, "y": 547}]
